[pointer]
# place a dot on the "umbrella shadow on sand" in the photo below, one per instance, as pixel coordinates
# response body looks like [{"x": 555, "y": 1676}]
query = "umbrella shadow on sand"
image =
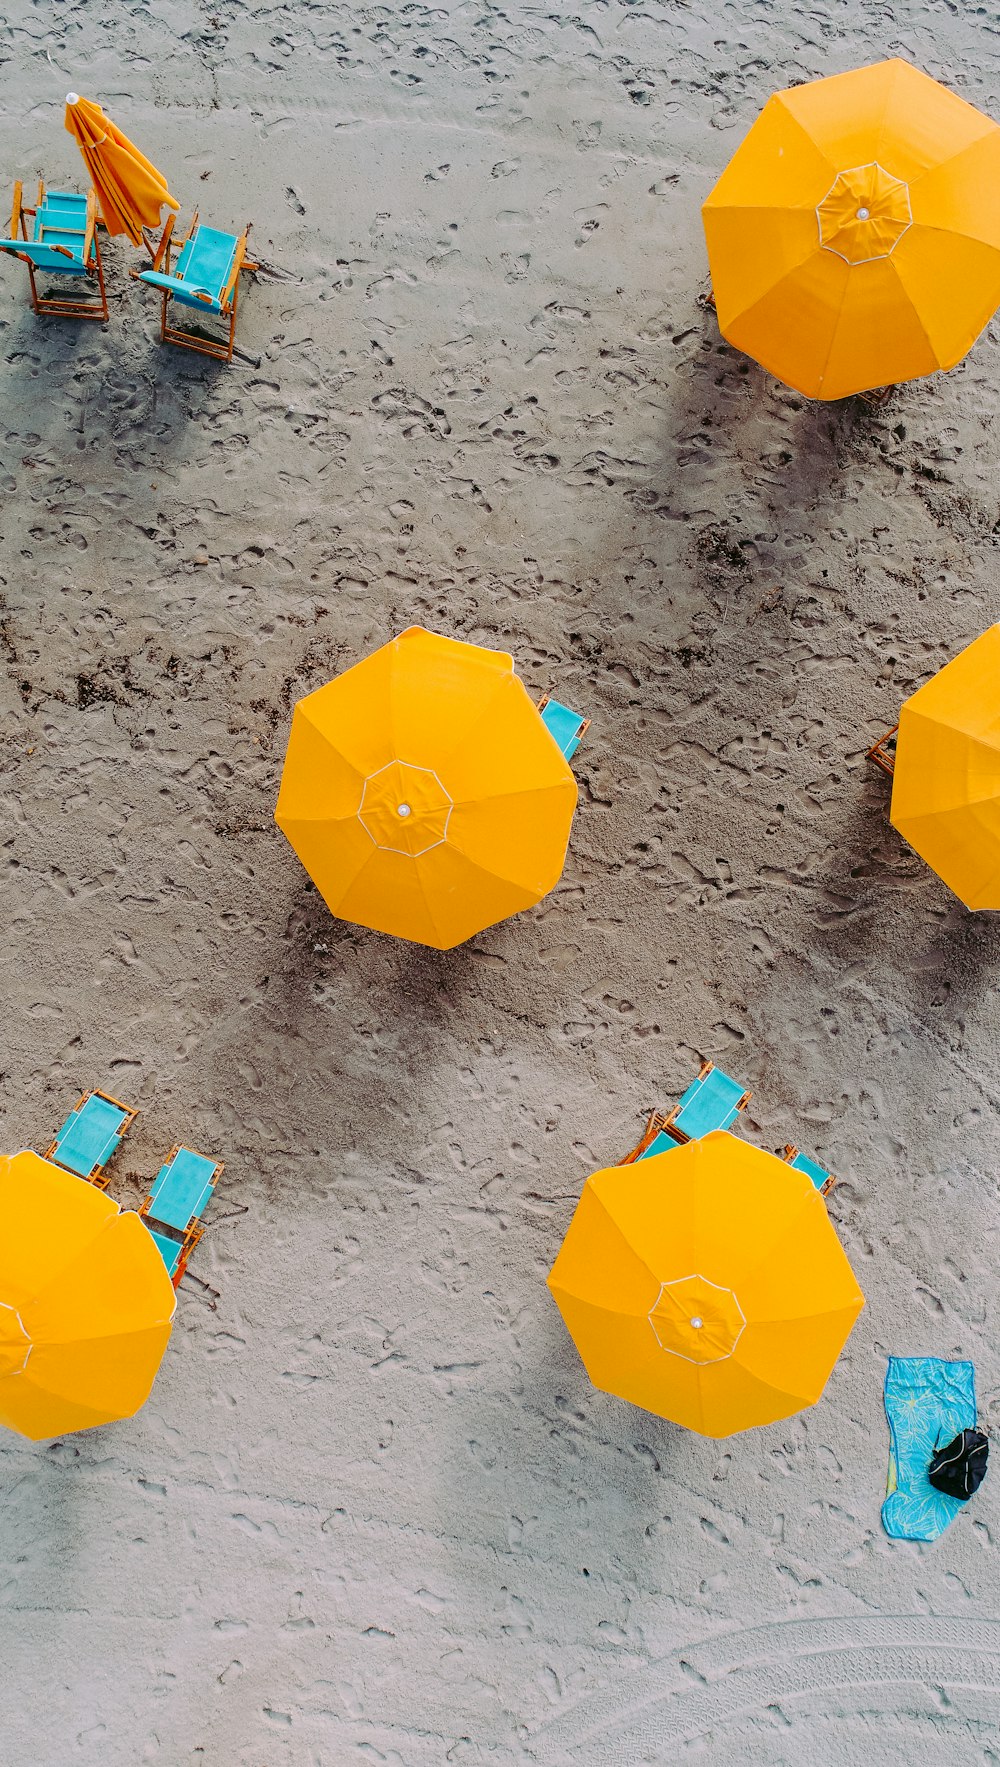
[
  {"x": 802, "y": 461},
  {"x": 878, "y": 908}
]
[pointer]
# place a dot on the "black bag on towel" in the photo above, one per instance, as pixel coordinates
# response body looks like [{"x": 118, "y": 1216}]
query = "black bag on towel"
[{"x": 960, "y": 1469}]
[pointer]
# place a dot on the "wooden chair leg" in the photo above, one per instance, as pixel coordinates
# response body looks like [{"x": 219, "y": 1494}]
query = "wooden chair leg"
[
  {"x": 163, "y": 317},
  {"x": 100, "y": 277},
  {"x": 882, "y": 755},
  {"x": 232, "y": 319}
]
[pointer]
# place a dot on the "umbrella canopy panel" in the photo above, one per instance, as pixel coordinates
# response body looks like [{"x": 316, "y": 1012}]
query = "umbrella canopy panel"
[
  {"x": 423, "y": 793},
  {"x": 854, "y": 237},
  {"x": 706, "y": 1284},
  {"x": 946, "y": 779},
  {"x": 85, "y": 1303}
]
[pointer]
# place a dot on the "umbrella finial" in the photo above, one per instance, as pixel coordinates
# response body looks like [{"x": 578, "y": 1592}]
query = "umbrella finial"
[{"x": 72, "y": 98}]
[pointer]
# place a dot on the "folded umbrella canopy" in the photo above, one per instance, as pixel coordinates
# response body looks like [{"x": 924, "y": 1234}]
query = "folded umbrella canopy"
[
  {"x": 130, "y": 190},
  {"x": 423, "y": 793},
  {"x": 854, "y": 237},
  {"x": 85, "y": 1303},
  {"x": 707, "y": 1285},
  {"x": 946, "y": 777}
]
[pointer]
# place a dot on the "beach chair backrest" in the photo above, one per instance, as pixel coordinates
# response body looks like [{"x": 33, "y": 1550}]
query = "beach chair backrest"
[
  {"x": 212, "y": 253},
  {"x": 565, "y": 726},
  {"x": 61, "y": 220},
  {"x": 822, "y": 1179},
  {"x": 182, "y": 1189},
  {"x": 90, "y": 1135},
  {"x": 712, "y": 1101}
]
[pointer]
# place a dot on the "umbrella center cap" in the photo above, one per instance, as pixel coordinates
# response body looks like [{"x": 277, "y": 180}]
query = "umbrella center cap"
[
  {"x": 405, "y": 809},
  {"x": 15, "y": 1344},
  {"x": 864, "y": 214},
  {"x": 697, "y": 1319}
]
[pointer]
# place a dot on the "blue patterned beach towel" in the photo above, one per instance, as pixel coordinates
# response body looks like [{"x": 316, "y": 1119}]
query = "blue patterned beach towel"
[{"x": 927, "y": 1403}]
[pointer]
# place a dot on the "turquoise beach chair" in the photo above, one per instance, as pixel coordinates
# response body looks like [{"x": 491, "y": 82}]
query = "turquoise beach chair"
[
  {"x": 172, "y": 1211},
  {"x": 565, "y": 727},
  {"x": 712, "y": 1101},
  {"x": 92, "y": 1132},
  {"x": 206, "y": 277},
  {"x": 800, "y": 1162},
  {"x": 63, "y": 242}
]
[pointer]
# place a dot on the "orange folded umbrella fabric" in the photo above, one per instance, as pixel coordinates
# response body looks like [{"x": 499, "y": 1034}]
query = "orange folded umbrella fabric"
[{"x": 130, "y": 190}]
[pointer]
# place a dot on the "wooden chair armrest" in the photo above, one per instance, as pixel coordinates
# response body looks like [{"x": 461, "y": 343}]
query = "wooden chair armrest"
[
  {"x": 240, "y": 253},
  {"x": 15, "y": 212},
  {"x": 164, "y": 246},
  {"x": 88, "y": 237}
]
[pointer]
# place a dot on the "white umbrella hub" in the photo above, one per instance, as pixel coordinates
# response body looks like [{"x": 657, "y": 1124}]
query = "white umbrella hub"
[
  {"x": 405, "y": 809},
  {"x": 697, "y": 1319},
  {"x": 864, "y": 214}
]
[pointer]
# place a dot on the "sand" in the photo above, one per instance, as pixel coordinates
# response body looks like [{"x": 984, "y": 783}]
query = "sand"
[{"x": 373, "y": 1512}]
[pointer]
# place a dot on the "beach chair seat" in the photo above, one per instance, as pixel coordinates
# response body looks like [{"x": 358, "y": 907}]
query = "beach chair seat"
[
  {"x": 800, "y": 1162},
  {"x": 565, "y": 727},
  {"x": 91, "y": 1134},
  {"x": 205, "y": 278},
  {"x": 62, "y": 242},
  {"x": 172, "y": 1211},
  {"x": 712, "y": 1101}
]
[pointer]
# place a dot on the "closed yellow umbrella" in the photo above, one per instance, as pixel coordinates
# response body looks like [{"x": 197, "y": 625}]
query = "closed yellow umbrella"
[
  {"x": 423, "y": 793},
  {"x": 130, "y": 190},
  {"x": 946, "y": 778},
  {"x": 854, "y": 237},
  {"x": 707, "y": 1285},
  {"x": 85, "y": 1303}
]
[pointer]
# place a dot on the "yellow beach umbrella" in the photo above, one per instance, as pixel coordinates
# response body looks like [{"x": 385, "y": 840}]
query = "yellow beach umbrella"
[
  {"x": 423, "y": 793},
  {"x": 946, "y": 779},
  {"x": 130, "y": 190},
  {"x": 706, "y": 1284},
  {"x": 85, "y": 1303},
  {"x": 854, "y": 237}
]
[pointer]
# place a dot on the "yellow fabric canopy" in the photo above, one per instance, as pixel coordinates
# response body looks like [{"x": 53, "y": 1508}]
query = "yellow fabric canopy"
[
  {"x": 946, "y": 780},
  {"x": 130, "y": 190},
  {"x": 706, "y": 1284},
  {"x": 85, "y": 1303},
  {"x": 854, "y": 237},
  {"x": 423, "y": 793}
]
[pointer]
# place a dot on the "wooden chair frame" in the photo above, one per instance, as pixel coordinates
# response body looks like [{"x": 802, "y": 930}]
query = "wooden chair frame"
[
  {"x": 101, "y": 1179},
  {"x": 788, "y": 1155},
  {"x": 61, "y": 305},
  {"x": 220, "y": 350},
  {"x": 877, "y": 398},
  {"x": 882, "y": 754}
]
